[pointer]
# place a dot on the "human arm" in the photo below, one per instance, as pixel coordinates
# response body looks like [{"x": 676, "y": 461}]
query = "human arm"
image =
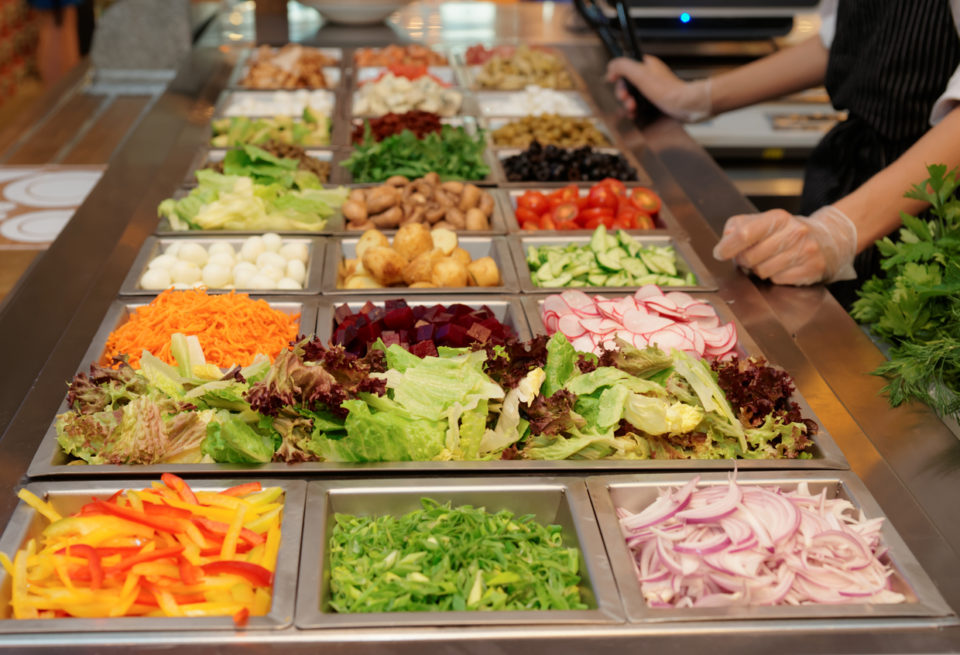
[
  {"x": 787, "y": 71},
  {"x": 798, "y": 250}
]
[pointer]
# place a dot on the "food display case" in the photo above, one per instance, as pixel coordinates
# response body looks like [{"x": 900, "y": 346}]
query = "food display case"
[{"x": 900, "y": 465}]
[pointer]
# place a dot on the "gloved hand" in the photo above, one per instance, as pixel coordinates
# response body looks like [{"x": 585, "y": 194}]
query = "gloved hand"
[
  {"x": 686, "y": 101},
  {"x": 790, "y": 249}
]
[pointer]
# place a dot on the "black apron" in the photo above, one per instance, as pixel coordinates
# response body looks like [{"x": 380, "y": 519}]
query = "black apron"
[{"x": 889, "y": 62}]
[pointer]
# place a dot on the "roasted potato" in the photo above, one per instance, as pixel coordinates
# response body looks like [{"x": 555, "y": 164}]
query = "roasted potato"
[
  {"x": 412, "y": 240},
  {"x": 484, "y": 272},
  {"x": 371, "y": 239},
  {"x": 421, "y": 268},
  {"x": 385, "y": 265},
  {"x": 361, "y": 282},
  {"x": 461, "y": 255},
  {"x": 444, "y": 239},
  {"x": 448, "y": 272}
]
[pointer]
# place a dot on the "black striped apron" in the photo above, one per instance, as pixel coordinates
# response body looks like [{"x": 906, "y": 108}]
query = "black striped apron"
[{"x": 889, "y": 62}]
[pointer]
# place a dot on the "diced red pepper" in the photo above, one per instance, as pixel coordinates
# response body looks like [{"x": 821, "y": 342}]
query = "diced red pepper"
[
  {"x": 242, "y": 489},
  {"x": 177, "y": 483},
  {"x": 190, "y": 574},
  {"x": 253, "y": 573},
  {"x": 240, "y": 618}
]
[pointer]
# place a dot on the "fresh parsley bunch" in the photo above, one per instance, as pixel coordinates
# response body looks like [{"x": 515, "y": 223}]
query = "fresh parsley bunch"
[{"x": 915, "y": 304}]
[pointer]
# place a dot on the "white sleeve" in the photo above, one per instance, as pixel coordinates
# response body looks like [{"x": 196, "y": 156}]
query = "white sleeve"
[
  {"x": 828, "y": 21},
  {"x": 951, "y": 95}
]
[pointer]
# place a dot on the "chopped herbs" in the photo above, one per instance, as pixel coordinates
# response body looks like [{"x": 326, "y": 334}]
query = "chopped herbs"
[{"x": 451, "y": 559}]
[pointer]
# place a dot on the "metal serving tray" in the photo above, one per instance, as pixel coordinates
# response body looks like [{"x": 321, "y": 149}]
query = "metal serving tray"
[
  {"x": 686, "y": 259},
  {"x": 551, "y": 500},
  {"x": 503, "y": 104},
  {"x": 67, "y": 497},
  {"x": 154, "y": 246},
  {"x": 635, "y": 492},
  {"x": 643, "y": 179},
  {"x": 507, "y": 309},
  {"x": 164, "y": 229},
  {"x": 826, "y": 453},
  {"x": 210, "y": 156},
  {"x": 493, "y": 124},
  {"x": 746, "y": 346},
  {"x": 227, "y": 105},
  {"x": 446, "y": 74},
  {"x": 499, "y": 220},
  {"x": 333, "y": 73},
  {"x": 495, "y": 247},
  {"x": 665, "y": 222},
  {"x": 120, "y": 311},
  {"x": 488, "y": 158}
]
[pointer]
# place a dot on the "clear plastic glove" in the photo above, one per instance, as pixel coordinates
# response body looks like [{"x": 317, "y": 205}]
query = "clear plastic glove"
[
  {"x": 686, "y": 101},
  {"x": 788, "y": 249}
]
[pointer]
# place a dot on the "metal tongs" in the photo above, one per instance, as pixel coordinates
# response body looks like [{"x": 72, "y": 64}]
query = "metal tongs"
[{"x": 620, "y": 39}]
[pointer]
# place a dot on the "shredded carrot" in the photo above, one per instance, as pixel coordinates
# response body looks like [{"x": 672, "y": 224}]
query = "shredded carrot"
[{"x": 231, "y": 327}]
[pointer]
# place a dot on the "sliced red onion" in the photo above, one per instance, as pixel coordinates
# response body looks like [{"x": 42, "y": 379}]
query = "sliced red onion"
[{"x": 727, "y": 505}]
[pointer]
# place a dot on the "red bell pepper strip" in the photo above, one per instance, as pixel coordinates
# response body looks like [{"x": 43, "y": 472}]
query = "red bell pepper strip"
[
  {"x": 253, "y": 573},
  {"x": 163, "y": 523},
  {"x": 190, "y": 574},
  {"x": 220, "y": 529},
  {"x": 240, "y": 618},
  {"x": 242, "y": 489},
  {"x": 107, "y": 551},
  {"x": 93, "y": 561},
  {"x": 214, "y": 551},
  {"x": 126, "y": 563},
  {"x": 155, "y": 509},
  {"x": 176, "y": 483}
]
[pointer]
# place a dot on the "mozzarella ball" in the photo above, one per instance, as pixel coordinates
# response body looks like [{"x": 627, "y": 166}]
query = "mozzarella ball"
[
  {"x": 271, "y": 272},
  {"x": 173, "y": 249},
  {"x": 271, "y": 259},
  {"x": 156, "y": 278},
  {"x": 244, "y": 267},
  {"x": 288, "y": 284},
  {"x": 222, "y": 259},
  {"x": 193, "y": 252},
  {"x": 216, "y": 276},
  {"x": 185, "y": 273},
  {"x": 260, "y": 281},
  {"x": 243, "y": 278},
  {"x": 291, "y": 251},
  {"x": 180, "y": 286},
  {"x": 164, "y": 262},
  {"x": 296, "y": 270},
  {"x": 222, "y": 248},
  {"x": 272, "y": 241},
  {"x": 251, "y": 249}
]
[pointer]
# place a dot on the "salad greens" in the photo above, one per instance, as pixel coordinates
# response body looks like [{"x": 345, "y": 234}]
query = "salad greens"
[
  {"x": 291, "y": 200},
  {"x": 313, "y": 129},
  {"x": 452, "y": 153},
  {"x": 451, "y": 559},
  {"x": 535, "y": 400},
  {"x": 915, "y": 304}
]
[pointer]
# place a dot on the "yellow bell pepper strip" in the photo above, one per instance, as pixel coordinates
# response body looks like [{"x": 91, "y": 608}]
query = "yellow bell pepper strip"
[
  {"x": 152, "y": 552},
  {"x": 45, "y": 508}
]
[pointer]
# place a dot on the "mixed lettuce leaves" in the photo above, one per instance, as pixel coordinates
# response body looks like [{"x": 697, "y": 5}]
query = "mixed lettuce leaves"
[{"x": 537, "y": 400}]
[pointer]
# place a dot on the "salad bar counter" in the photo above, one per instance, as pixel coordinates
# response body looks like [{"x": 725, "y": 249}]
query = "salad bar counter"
[{"x": 357, "y": 352}]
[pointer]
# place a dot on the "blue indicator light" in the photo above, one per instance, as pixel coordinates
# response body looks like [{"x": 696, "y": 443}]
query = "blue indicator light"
[{"x": 684, "y": 17}]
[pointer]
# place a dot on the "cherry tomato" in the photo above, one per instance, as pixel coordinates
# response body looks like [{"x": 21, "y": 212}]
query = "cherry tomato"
[
  {"x": 565, "y": 212},
  {"x": 614, "y": 185},
  {"x": 628, "y": 215},
  {"x": 564, "y": 195},
  {"x": 547, "y": 223},
  {"x": 608, "y": 220},
  {"x": 644, "y": 221},
  {"x": 531, "y": 225},
  {"x": 592, "y": 223},
  {"x": 601, "y": 196},
  {"x": 645, "y": 200},
  {"x": 567, "y": 225},
  {"x": 583, "y": 202},
  {"x": 618, "y": 224},
  {"x": 525, "y": 215},
  {"x": 596, "y": 212},
  {"x": 534, "y": 201}
]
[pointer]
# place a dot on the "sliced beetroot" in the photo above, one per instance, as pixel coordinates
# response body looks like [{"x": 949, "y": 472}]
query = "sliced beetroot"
[
  {"x": 399, "y": 318},
  {"x": 424, "y": 349}
]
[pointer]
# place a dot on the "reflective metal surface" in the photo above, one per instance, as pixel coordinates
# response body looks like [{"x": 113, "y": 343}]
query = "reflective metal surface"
[{"x": 907, "y": 458}]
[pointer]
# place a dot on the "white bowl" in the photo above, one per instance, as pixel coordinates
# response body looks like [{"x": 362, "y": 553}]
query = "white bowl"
[{"x": 356, "y": 12}]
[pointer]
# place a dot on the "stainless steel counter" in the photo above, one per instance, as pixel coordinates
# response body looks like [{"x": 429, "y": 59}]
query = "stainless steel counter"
[{"x": 907, "y": 458}]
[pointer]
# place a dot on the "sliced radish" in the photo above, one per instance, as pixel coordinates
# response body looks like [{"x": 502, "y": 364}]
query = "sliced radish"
[
  {"x": 647, "y": 291},
  {"x": 644, "y": 323},
  {"x": 576, "y": 299},
  {"x": 680, "y": 298},
  {"x": 583, "y": 344},
  {"x": 555, "y": 304},
  {"x": 571, "y": 327}
]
